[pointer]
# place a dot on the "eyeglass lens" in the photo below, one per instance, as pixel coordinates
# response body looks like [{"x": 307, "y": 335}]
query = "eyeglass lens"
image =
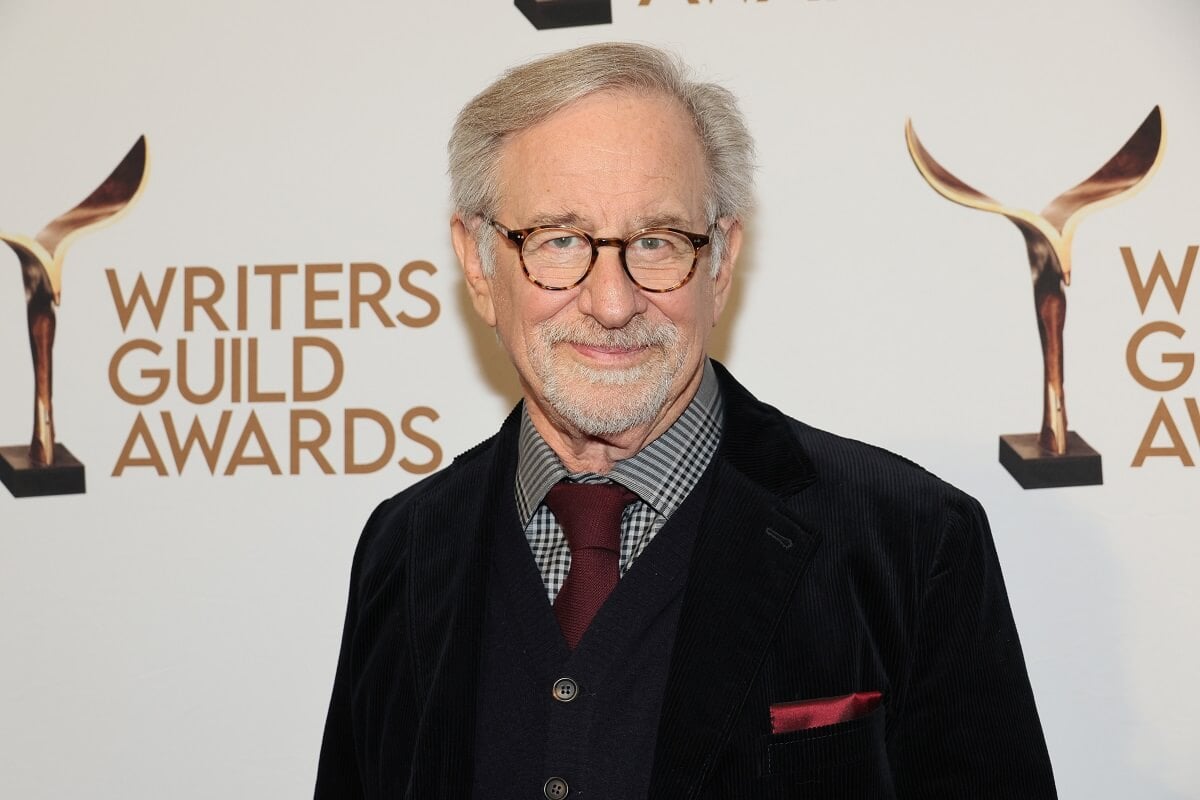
[{"x": 559, "y": 257}]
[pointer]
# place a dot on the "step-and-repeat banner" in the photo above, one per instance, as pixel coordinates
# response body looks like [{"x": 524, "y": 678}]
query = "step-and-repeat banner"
[{"x": 231, "y": 317}]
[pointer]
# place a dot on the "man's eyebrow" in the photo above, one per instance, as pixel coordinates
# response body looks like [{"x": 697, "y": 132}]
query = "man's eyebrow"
[
  {"x": 558, "y": 218},
  {"x": 660, "y": 220},
  {"x": 666, "y": 220}
]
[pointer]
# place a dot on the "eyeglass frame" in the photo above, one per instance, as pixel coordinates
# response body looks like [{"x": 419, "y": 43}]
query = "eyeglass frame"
[{"x": 518, "y": 236}]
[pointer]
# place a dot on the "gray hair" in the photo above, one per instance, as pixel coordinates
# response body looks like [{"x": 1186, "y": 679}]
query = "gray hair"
[{"x": 528, "y": 94}]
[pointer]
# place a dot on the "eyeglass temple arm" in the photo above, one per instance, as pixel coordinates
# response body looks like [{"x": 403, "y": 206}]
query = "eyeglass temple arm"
[{"x": 515, "y": 236}]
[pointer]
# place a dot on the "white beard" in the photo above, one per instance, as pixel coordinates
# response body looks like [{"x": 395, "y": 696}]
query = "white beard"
[{"x": 607, "y": 401}]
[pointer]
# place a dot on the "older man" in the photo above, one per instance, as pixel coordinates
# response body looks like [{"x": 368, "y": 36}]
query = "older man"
[{"x": 649, "y": 583}]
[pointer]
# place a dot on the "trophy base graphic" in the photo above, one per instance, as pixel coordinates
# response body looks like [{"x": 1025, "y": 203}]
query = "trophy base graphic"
[
  {"x": 565, "y": 13},
  {"x": 24, "y": 478},
  {"x": 1034, "y": 468}
]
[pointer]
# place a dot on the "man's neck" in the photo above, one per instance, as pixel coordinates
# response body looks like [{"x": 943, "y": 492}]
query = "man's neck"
[{"x": 581, "y": 452}]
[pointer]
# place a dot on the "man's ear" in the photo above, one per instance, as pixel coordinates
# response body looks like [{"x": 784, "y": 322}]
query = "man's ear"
[
  {"x": 478, "y": 286},
  {"x": 723, "y": 281}
]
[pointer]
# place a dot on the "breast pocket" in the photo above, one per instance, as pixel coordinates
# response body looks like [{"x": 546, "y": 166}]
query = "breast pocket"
[{"x": 845, "y": 760}]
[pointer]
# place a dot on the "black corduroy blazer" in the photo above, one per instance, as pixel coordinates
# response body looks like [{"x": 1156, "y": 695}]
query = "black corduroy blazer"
[{"x": 822, "y": 567}]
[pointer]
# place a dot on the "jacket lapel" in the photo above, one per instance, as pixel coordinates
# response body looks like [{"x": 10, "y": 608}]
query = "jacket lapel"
[
  {"x": 450, "y": 547},
  {"x": 748, "y": 559}
]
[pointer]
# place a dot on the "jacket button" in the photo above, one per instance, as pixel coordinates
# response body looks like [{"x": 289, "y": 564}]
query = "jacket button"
[
  {"x": 555, "y": 789},
  {"x": 565, "y": 690}
]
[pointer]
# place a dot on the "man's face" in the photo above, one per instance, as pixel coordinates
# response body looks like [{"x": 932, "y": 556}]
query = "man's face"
[{"x": 604, "y": 357}]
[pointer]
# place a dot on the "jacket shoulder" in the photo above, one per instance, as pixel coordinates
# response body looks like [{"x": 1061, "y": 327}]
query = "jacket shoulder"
[
  {"x": 385, "y": 536},
  {"x": 888, "y": 480},
  {"x": 785, "y": 454}
]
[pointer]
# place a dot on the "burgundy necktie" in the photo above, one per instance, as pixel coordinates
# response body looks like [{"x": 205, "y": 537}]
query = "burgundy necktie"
[{"x": 590, "y": 516}]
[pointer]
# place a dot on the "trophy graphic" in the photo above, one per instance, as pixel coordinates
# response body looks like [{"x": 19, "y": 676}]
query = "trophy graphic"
[
  {"x": 46, "y": 467},
  {"x": 1057, "y": 456}
]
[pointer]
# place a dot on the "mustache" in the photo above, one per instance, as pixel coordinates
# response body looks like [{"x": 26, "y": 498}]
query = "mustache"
[{"x": 638, "y": 332}]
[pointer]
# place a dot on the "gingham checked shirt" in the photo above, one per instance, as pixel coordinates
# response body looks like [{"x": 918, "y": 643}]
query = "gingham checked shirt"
[{"x": 662, "y": 475}]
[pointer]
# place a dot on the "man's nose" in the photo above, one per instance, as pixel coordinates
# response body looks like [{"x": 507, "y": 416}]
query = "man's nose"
[{"x": 608, "y": 294}]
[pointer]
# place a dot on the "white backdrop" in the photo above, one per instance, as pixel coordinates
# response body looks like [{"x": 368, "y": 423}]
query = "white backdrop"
[{"x": 175, "y": 636}]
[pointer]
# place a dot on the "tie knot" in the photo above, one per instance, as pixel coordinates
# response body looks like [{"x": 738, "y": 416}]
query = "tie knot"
[{"x": 590, "y": 513}]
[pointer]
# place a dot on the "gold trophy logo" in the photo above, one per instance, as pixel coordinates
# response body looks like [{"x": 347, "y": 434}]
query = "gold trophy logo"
[
  {"x": 1057, "y": 456},
  {"x": 46, "y": 467}
]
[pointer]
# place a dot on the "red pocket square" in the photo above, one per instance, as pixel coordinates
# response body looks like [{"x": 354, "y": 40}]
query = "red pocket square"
[{"x": 800, "y": 715}]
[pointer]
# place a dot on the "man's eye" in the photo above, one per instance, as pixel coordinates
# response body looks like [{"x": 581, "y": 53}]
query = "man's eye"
[
  {"x": 651, "y": 243},
  {"x": 564, "y": 242}
]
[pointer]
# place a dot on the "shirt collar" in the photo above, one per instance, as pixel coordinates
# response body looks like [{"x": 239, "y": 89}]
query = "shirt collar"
[{"x": 662, "y": 473}]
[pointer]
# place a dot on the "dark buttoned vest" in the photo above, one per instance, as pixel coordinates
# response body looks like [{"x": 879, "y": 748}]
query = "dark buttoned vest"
[{"x": 584, "y": 721}]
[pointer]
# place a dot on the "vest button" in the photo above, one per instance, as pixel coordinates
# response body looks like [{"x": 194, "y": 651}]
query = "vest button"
[
  {"x": 565, "y": 690},
  {"x": 555, "y": 789}
]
